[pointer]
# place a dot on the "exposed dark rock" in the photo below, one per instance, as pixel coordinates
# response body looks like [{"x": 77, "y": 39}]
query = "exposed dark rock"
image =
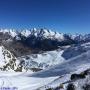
[
  {"x": 77, "y": 76},
  {"x": 86, "y": 87},
  {"x": 70, "y": 87}
]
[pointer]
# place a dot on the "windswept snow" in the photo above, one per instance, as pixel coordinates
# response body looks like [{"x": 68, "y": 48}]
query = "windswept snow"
[
  {"x": 66, "y": 67},
  {"x": 58, "y": 64},
  {"x": 43, "y": 60},
  {"x": 23, "y": 82},
  {"x": 52, "y": 76},
  {"x": 47, "y": 59},
  {"x": 26, "y": 33}
]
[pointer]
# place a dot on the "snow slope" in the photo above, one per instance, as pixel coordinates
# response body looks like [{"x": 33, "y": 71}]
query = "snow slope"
[
  {"x": 66, "y": 60},
  {"x": 21, "y": 81},
  {"x": 66, "y": 67},
  {"x": 43, "y": 60},
  {"x": 75, "y": 65},
  {"x": 48, "y": 59},
  {"x": 46, "y": 78}
]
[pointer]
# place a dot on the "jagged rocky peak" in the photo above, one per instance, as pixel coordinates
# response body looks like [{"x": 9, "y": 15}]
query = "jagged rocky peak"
[
  {"x": 44, "y": 33},
  {"x": 11, "y": 32}
]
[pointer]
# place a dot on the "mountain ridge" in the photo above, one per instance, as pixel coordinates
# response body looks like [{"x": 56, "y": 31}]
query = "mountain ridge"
[
  {"x": 37, "y": 40},
  {"x": 42, "y": 32}
]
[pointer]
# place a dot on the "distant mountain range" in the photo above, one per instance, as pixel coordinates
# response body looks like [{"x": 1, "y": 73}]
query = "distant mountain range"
[{"x": 35, "y": 40}]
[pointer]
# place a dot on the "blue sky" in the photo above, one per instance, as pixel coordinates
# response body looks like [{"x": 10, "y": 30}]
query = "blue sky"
[{"x": 68, "y": 16}]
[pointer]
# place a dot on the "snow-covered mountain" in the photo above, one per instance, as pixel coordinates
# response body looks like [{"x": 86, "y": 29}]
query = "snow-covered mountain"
[
  {"x": 44, "y": 33},
  {"x": 40, "y": 48},
  {"x": 7, "y": 59},
  {"x": 51, "y": 78},
  {"x": 8, "y": 62},
  {"x": 54, "y": 55},
  {"x": 43, "y": 48},
  {"x": 44, "y": 60},
  {"x": 34, "y": 40}
]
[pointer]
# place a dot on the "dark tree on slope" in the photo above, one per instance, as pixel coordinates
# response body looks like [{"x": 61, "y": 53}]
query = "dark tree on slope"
[
  {"x": 71, "y": 87},
  {"x": 86, "y": 87}
]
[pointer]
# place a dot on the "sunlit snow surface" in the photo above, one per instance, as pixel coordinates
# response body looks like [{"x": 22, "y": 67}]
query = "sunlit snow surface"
[
  {"x": 62, "y": 65},
  {"x": 49, "y": 77},
  {"x": 22, "y": 81},
  {"x": 43, "y": 60}
]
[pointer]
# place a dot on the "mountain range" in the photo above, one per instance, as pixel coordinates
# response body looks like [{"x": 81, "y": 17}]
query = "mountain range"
[
  {"x": 41, "y": 59},
  {"x": 35, "y": 40}
]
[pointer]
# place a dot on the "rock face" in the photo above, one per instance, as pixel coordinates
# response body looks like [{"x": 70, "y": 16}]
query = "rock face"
[{"x": 7, "y": 60}]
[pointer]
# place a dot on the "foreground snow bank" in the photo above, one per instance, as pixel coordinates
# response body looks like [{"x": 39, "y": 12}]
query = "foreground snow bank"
[{"x": 21, "y": 80}]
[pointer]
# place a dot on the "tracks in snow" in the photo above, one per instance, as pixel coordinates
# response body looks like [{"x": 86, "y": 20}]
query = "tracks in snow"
[{"x": 5, "y": 82}]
